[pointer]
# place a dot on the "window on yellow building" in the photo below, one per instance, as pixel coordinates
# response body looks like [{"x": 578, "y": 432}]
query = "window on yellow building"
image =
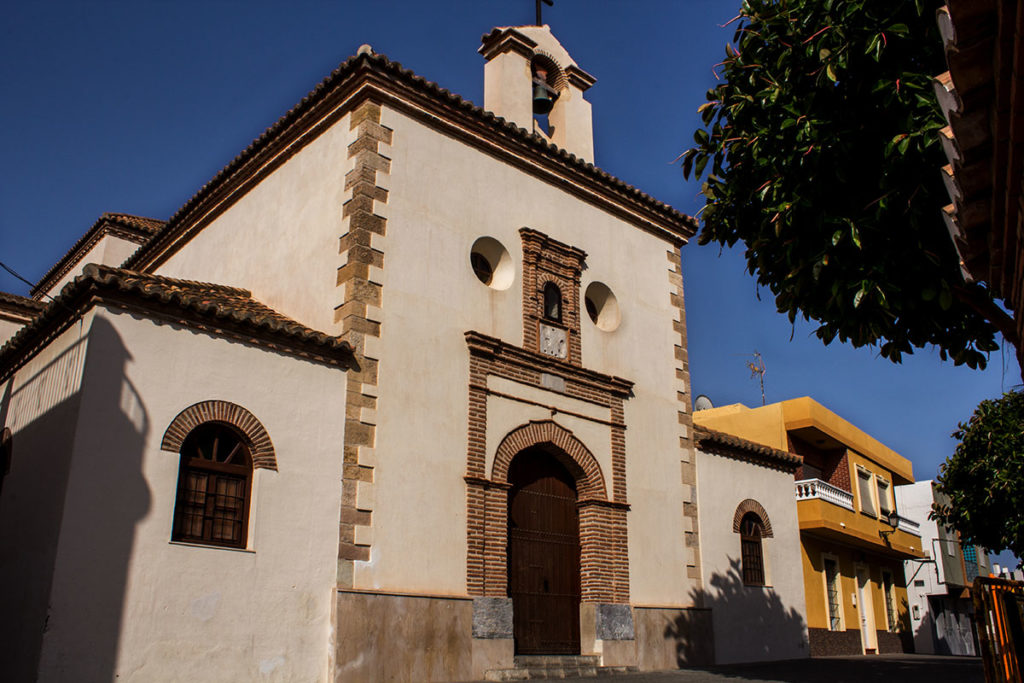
[
  {"x": 867, "y": 503},
  {"x": 832, "y": 594},
  {"x": 883, "y": 496},
  {"x": 890, "y": 599}
]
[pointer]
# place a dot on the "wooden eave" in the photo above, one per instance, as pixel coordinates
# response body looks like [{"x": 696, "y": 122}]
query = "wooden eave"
[
  {"x": 985, "y": 56},
  {"x": 984, "y": 104}
]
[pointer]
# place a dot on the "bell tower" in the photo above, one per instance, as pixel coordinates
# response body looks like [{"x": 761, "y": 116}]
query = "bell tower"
[{"x": 529, "y": 73}]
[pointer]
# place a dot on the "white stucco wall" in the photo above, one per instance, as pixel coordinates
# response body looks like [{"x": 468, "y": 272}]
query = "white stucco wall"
[
  {"x": 914, "y": 501},
  {"x": 9, "y": 328},
  {"x": 40, "y": 405},
  {"x": 128, "y": 603},
  {"x": 280, "y": 240},
  {"x": 109, "y": 250},
  {"x": 751, "y": 623},
  {"x": 443, "y": 196}
]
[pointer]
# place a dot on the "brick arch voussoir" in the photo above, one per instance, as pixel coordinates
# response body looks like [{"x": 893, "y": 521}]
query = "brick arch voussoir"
[
  {"x": 751, "y": 505},
  {"x": 260, "y": 446},
  {"x": 580, "y": 461}
]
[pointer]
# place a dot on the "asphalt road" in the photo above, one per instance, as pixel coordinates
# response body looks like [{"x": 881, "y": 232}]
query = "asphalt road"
[{"x": 897, "y": 668}]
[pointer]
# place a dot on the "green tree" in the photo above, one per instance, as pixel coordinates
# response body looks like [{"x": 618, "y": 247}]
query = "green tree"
[
  {"x": 983, "y": 479},
  {"x": 820, "y": 153}
]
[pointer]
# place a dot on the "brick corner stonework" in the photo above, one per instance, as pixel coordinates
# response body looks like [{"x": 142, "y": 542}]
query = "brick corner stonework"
[
  {"x": 360, "y": 282},
  {"x": 688, "y": 462}
]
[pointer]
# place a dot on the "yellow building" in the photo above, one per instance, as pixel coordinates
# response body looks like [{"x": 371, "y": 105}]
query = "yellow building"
[{"x": 853, "y": 542}]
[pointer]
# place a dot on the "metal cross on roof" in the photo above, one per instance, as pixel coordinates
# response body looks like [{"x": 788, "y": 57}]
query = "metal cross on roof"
[{"x": 549, "y": 3}]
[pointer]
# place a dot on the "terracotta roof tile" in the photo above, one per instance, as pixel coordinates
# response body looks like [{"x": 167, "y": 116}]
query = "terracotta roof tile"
[
  {"x": 20, "y": 305},
  {"x": 705, "y": 437},
  {"x": 381, "y": 65},
  {"x": 133, "y": 228},
  {"x": 223, "y": 310}
]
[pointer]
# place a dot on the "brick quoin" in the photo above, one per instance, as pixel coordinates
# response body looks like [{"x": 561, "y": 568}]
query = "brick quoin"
[{"x": 359, "y": 294}]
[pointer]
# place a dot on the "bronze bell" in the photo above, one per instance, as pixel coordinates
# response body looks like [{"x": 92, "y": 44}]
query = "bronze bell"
[{"x": 543, "y": 95}]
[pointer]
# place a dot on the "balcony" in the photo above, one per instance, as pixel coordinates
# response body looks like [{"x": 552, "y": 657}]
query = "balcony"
[
  {"x": 827, "y": 512},
  {"x": 910, "y": 526},
  {"x": 807, "y": 489}
]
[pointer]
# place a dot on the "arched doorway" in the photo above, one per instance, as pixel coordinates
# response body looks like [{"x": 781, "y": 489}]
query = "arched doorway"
[{"x": 543, "y": 554}]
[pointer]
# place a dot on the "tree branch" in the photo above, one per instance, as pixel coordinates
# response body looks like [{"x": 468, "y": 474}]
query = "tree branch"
[{"x": 984, "y": 306}]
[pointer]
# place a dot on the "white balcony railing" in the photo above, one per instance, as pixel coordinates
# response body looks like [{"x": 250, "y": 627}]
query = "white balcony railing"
[
  {"x": 806, "y": 489},
  {"x": 910, "y": 526}
]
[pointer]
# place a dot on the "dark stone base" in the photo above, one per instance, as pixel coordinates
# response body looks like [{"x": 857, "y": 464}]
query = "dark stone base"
[
  {"x": 825, "y": 643},
  {"x": 891, "y": 643}
]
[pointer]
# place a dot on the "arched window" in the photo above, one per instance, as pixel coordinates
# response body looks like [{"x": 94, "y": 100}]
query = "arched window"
[
  {"x": 751, "y": 533},
  {"x": 214, "y": 482},
  {"x": 552, "y": 302}
]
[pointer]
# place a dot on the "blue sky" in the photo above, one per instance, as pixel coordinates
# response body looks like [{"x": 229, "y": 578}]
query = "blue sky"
[{"x": 133, "y": 106}]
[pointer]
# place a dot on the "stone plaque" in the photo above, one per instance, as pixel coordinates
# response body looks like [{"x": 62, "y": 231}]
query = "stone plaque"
[
  {"x": 553, "y": 382},
  {"x": 553, "y": 341}
]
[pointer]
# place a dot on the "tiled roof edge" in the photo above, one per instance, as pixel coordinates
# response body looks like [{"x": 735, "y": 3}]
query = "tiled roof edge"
[
  {"x": 21, "y": 305},
  {"x": 198, "y": 301},
  {"x": 786, "y": 459},
  {"x": 380, "y": 63},
  {"x": 137, "y": 228}
]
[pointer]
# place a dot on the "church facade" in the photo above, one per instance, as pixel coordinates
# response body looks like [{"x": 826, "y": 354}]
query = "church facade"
[{"x": 401, "y": 394}]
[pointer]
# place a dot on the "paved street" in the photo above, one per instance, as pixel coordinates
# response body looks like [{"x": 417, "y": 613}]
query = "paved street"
[{"x": 897, "y": 668}]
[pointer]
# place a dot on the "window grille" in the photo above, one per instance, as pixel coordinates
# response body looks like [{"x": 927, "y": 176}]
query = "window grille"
[
  {"x": 890, "y": 607},
  {"x": 832, "y": 588},
  {"x": 970, "y": 562},
  {"x": 213, "y": 488},
  {"x": 751, "y": 533}
]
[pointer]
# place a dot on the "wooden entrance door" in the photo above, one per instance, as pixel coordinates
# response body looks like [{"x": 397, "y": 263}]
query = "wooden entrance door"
[{"x": 543, "y": 555}]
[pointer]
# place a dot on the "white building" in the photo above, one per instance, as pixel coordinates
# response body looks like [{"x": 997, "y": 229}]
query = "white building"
[
  {"x": 938, "y": 588},
  {"x": 757, "y": 608},
  {"x": 401, "y": 393}
]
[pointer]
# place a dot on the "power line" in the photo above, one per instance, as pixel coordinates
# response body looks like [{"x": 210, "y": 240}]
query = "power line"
[
  {"x": 11, "y": 271},
  {"x": 15, "y": 274}
]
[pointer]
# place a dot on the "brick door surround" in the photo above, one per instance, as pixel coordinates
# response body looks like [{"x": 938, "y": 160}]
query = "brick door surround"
[{"x": 604, "y": 559}]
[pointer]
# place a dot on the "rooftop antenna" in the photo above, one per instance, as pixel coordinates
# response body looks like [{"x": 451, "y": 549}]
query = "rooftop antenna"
[
  {"x": 549, "y": 3},
  {"x": 757, "y": 368}
]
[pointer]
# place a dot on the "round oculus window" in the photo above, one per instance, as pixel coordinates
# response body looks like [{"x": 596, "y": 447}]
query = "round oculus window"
[
  {"x": 491, "y": 263},
  {"x": 602, "y": 306}
]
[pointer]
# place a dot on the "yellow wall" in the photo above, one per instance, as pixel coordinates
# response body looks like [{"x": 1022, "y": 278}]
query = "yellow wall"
[
  {"x": 813, "y": 551},
  {"x": 762, "y": 425},
  {"x": 768, "y": 425},
  {"x": 852, "y": 538},
  {"x": 806, "y": 412}
]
